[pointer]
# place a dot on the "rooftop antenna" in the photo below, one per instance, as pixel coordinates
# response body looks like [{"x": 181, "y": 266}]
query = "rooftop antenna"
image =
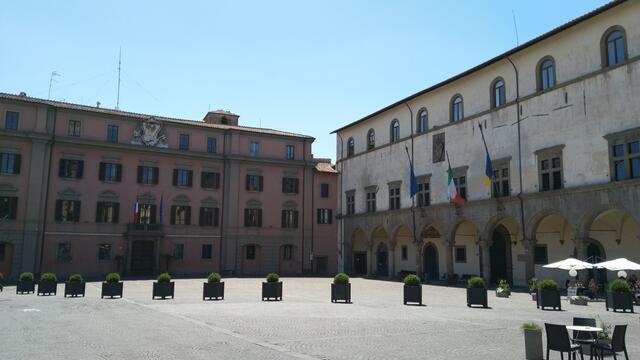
[
  {"x": 119, "y": 69},
  {"x": 515, "y": 25},
  {"x": 51, "y": 80}
]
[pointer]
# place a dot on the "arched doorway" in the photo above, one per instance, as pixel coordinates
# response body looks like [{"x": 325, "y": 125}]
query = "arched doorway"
[
  {"x": 500, "y": 255},
  {"x": 596, "y": 254},
  {"x": 430, "y": 262},
  {"x": 382, "y": 263},
  {"x": 359, "y": 250}
]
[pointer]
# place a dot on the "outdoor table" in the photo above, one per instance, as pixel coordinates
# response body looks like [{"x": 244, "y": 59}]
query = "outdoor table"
[{"x": 589, "y": 329}]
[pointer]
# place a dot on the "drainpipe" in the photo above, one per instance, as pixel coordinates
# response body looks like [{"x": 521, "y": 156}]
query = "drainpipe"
[
  {"x": 224, "y": 191},
  {"x": 341, "y": 231},
  {"x": 46, "y": 194}
]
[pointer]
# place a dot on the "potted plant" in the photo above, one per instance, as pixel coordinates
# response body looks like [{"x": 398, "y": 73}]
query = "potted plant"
[
  {"x": 75, "y": 286},
  {"x": 112, "y": 286},
  {"x": 533, "y": 288},
  {"x": 163, "y": 287},
  {"x": 476, "y": 292},
  {"x": 272, "y": 288},
  {"x": 412, "y": 289},
  {"x": 48, "y": 284},
  {"x": 532, "y": 341},
  {"x": 341, "y": 288},
  {"x": 213, "y": 289},
  {"x": 25, "y": 283},
  {"x": 548, "y": 295},
  {"x": 619, "y": 296},
  {"x": 503, "y": 289}
]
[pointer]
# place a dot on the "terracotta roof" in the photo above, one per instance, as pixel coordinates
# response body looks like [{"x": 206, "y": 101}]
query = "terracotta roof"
[
  {"x": 97, "y": 110},
  {"x": 502, "y": 56},
  {"x": 325, "y": 167}
]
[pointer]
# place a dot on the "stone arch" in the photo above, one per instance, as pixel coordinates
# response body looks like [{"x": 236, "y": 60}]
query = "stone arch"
[
  {"x": 462, "y": 221},
  {"x": 404, "y": 249},
  {"x": 360, "y": 252},
  {"x": 553, "y": 240},
  {"x": 380, "y": 242},
  {"x": 616, "y": 232},
  {"x": 430, "y": 261},
  {"x": 508, "y": 221},
  {"x": 534, "y": 221},
  {"x": 587, "y": 220},
  {"x": 465, "y": 240}
]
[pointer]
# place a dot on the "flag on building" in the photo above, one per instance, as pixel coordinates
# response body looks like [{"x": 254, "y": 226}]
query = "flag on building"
[
  {"x": 412, "y": 176},
  {"x": 488, "y": 167},
  {"x": 161, "y": 208},
  {"x": 136, "y": 212},
  {"x": 454, "y": 197}
]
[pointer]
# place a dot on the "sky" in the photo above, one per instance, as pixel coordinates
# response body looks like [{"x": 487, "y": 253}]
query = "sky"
[{"x": 308, "y": 67}]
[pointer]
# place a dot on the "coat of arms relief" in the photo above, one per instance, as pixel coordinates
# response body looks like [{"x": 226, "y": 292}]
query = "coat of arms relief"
[{"x": 150, "y": 133}]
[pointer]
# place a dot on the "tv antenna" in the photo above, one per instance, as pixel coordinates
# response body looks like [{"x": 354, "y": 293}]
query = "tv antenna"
[
  {"x": 51, "y": 80},
  {"x": 515, "y": 25},
  {"x": 119, "y": 69}
]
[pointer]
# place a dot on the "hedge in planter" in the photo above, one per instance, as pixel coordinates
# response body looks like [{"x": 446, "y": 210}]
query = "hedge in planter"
[
  {"x": 341, "y": 288},
  {"x": 272, "y": 288},
  {"x": 112, "y": 286},
  {"x": 213, "y": 289},
  {"x": 548, "y": 295},
  {"x": 412, "y": 289},
  {"x": 25, "y": 284},
  {"x": 532, "y": 341},
  {"x": 619, "y": 296},
  {"x": 48, "y": 284},
  {"x": 476, "y": 292},
  {"x": 503, "y": 289},
  {"x": 75, "y": 286},
  {"x": 163, "y": 287}
]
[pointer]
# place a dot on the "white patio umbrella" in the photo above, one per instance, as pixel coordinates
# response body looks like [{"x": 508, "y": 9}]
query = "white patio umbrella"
[
  {"x": 618, "y": 264},
  {"x": 569, "y": 264}
]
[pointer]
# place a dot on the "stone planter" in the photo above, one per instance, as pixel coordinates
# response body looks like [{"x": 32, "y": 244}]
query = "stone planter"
[
  {"x": 25, "y": 287},
  {"x": 533, "y": 344},
  {"x": 477, "y": 296},
  {"x": 578, "y": 300},
  {"x": 413, "y": 294},
  {"x": 213, "y": 291},
  {"x": 272, "y": 291},
  {"x": 112, "y": 289},
  {"x": 163, "y": 289},
  {"x": 619, "y": 301},
  {"x": 74, "y": 288},
  {"x": 503, "y": 294},
  {"x": 341, "y": 292},
  {"x": 548, "y": 298},
  {"x": 47, "y": 288}
]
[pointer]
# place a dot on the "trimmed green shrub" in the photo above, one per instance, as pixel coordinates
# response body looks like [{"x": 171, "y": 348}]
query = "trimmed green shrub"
[
  {"x": 113, "y": 278},
  {"x": 214, "y": 278},
  {"x": 76, "y": 277},
  {"x": 475, "y": 282},
  {"x": 49, "y": 277},
  {"x": 26, "y": 276},
  {"x": 273, "y": 277},
  {"x": 341, "y": 278},
  {"x": 619, "y": 285},
  {"x": 164, "y": 277},
  {"x": 547, "y": 284},
  {"x": 504, "y": 285},
  {"x": 533, "y": 284},
  {"x": 411, "y": 280},
  {"x": 530, "y": 326}
]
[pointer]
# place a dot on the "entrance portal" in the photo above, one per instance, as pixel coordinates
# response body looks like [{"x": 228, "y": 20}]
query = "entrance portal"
[
  {"x": 383, "y": 260},
  {"x": 500, "y": 256},
  {"x": 430, "y": 263},
  {"x": 142, "y": 257},
  {"x": 360, "y": 263}
]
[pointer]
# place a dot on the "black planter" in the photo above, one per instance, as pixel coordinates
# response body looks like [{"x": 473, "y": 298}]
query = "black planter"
[
  {"x": 413, "y": 294},
  {"x": 548, "y": 298},
  {"x": 272, "y": 291},
  {"x": 74, "y": 288},
  {"x": 112, "y": 289},
  {"x": 341, "y": 292},
  {"x": 25, "y": 287},
  {"x": 619, "y": 301},
  {"x": 163, "y": 289},
  {"x": 477, "y": 296},
  {"x": 47, "y": 287},
  {"x": 213, "y": 291}
]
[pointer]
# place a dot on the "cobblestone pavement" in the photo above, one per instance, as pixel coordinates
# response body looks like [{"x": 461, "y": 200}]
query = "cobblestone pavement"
[{"x": 304, "y": 325}]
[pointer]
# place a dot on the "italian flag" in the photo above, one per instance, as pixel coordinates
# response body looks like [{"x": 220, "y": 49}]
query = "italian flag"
[{"x": 454, "y": 197}]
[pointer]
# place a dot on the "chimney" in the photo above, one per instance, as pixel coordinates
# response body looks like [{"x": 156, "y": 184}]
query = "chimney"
[{"x": 221, "y": 117}]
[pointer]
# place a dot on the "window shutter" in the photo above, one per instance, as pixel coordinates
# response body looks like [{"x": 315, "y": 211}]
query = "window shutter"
[
  {"x": 118, "y": 172},
  {"x": 203, "y": 180},
  {"x": 153, "y": 214},
  {"x": 295, "y": 218},
  {"x": 284, "y": 185},
  {"x": 330, "y": 216},
  {"x": 261, "y": 183},
  {"x": 13, "y": 212},
  {"x": 201, "y": 219},
  {"x": 98, "y": 208},
  {"x": 246, "y": 217},
  {"x": 139, "y": 174},
  {"x": 76, "y": 211},
  {"x": 216, "y": 180},
  {"x": 116, "y": 213},
  {"x": 80, "y": 169},
  {"x": 188, "y": 217},
  {"x": 16, "y": 163},
  {"x": 296, "y": 183},
  {"x": 283, "y": 223},
  {"x": 101, "y": 172},
  {"x": 58, "y": 216},
  {"x": 319, "y": 216},
  {"x": 190, "y": 178},
  {"x": 61, "y": 167},
  {"x": 216, "y": 214},
  {"x": 156, "y": 175},
  {"x": 173, "y": 215},
  {"x": 175, "y": 177},
  {"x": 260, "y": 216},
  {"x": 247, "y": 182}
]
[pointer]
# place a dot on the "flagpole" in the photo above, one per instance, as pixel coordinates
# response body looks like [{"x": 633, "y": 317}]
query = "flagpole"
[{"x": 483, "y": 140}]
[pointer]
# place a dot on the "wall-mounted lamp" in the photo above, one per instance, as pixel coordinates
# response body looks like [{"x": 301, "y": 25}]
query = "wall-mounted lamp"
[
  {"x": 561, "y": 241},
  {"x": 618, "y": 241}
]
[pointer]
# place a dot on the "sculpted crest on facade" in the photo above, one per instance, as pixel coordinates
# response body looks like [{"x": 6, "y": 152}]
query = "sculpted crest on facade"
[{"x": 150, "y": 133}]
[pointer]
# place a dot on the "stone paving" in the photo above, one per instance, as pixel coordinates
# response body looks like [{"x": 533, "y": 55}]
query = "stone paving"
[{"x": 304, "y": 325}]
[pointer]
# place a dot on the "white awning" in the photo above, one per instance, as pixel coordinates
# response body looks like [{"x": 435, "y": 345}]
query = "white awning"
[
  {"x": 568, "y": 264},
  {"x": 618, "y": 264}
]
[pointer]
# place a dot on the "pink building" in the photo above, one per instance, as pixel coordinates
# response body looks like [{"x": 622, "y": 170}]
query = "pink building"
[{"x": 92, "y": 190}]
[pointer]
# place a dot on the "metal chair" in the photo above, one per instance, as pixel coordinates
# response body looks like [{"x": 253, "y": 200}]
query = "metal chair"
[
  {"x": 617, "y": 343},
  {"x": 558, "y": 340},
  {"x": 584, "y": 337}
]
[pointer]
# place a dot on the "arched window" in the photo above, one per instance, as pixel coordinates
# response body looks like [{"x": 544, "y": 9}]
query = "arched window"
[
  {"x": 371, "y": 140},
  {"x": 423, "y": 121},
  {"x": 351, "y": 145},
  {"x": 614, "y": 49},
  {"x": 457, "y": 108},
  {"x": 546, "y": 74},
  {"x": 395, "y": 131},
  {"x": 498, "y": 94}
]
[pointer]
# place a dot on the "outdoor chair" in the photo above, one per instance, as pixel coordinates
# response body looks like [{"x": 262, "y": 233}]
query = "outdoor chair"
[
  {"x": 558, "y": 340},
  {"x": 617, "y": 343},
  {"x": 583, "y": 337}
]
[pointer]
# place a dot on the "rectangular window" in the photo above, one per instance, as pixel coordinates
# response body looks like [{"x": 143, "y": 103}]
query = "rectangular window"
[
  {"x": 182, "y": 177},
  {"x": 178, "y": 251},
  {"x": 405, "y": 252},
  {"x": 8, "y": 208},
  {"x": 351, "y": 203},
  {"x": 210, "y": 180},
  {"x": 104, "y": 252},
  {"x": 254, "y": 148},
  {"x": 147, "y": 214},
  {"x": 291, "y": 152},
  {"x": 287, "y": 252},
  {"x": 325, "y": 216},
  {"x": 148, "y": 175},
  {"x": 250, "y": 252},
  {"x": 2, "y": 251},
  {"x": 184, "y": 142},
  {"x": 371, "y": 202},
  {"x": 500, "y": 181},
  {"x": 289, "y": 219},
  {"x": 67, "y": 210},
  {"x": 107, "y": 212},
  {"x": 424, "y": 193},
  {"x": 180, "y": 215},
  {"x": 626, "y": 160},
  {"x": 394, "y": 198},
  {"x": 324, "y": 190},
  {"x": 206, "y": 252},
  {"x": 540, "y": 254},
  {"x": 461, "y": 254},
  {"x": 212, "y": 145},
  {"x": 209, "y": 216},
  {"x": 11, "y": 120},
  {"x": 110, "y": 172},
  {"x": 71, "y": 169},
  {"x": 254, "y": 183},
  {"x": 461, "y": 186},
  {"x": 74, "y": 128},
  {"x": 9, "y": 163},
  {"x": 112, "y": 133},
  {"x": 550, "y": 169},
  {"x": 64, "y": 252},
  {"x": 290, "y": 185},
  {"x": 252, "y": 217}
]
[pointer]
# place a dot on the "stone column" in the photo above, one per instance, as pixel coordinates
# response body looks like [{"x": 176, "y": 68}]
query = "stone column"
[
  {"x": 419, "y": 244},
  {"x": 581, "y": 241},
  {"x": 486, "y": 260},
  {"x": 529, "y": 261},
  {"x": 371, "y": 268},
  {"x": 449, "y": 259},
  {"x": 392, "y": 260}
]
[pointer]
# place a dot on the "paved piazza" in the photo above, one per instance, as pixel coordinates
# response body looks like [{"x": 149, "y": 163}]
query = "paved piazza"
[{"x": 305, "y": 325}]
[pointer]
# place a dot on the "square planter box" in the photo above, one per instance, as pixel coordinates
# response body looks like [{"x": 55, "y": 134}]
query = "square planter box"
[
  {"x": 74, "y": 288},
  {"x": 47, "y": 288},
  {"x": 213, "y": 291},
  {"x": 619, "y": 301},
  {"x": 25, "y": 287},
  {"x": 549, "y": 299},
  {"x": 163, "y": 289},
  {"x": 341, "y": 292},
  {"x": 582, "y": 301},
  {"x": 272, "y": 291},
  {"x": 412, "y": 294},
  {"x": 477, "y": 296},
  {"x": 112, "y": 289},
  {"x": 533, "y": 344}
]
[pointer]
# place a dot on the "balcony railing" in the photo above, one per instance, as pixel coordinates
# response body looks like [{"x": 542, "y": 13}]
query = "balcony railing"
[{"x": 144, "y": 228}]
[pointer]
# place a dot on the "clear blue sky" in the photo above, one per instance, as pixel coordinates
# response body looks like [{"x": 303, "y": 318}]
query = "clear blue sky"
[{"x": 302, "y": 66}]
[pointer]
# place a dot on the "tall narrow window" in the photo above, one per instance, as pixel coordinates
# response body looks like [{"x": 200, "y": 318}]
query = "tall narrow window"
[
  {"x": 11, "y": 120},
  {"x": 547, "y": 74},
  {"x": 252, "y": 217},
  {"x": 180, "y": 215},
  {"x": 184, "y": 142},
  {"x": 324, "y": 216},
  {"x": 207, "y": 250},
  {"x": 289, "y": 219},
  {"x": 110, "y": 172},
  {"x": 253, "y": 148},
  {"x": 615, "y": 48},
  {"x": 461, "y": 185},
  {"x": 212, "y": 144},
  {"x": 147, "y": 214},
  {"x": 351, "y": 147},
  {"x": 457, "y": 109},
  {"x": 500, "y": 181},
  {"x": 423, "y": 121},
  {"x": 550, "y": 169},
  {"x": 178, "y": 251},
  {"x": 498, "y": 93},
  {"x": 74, "y": 128},
  {"x": 64, "y": 252},
  {"x": 254, "y": 182},
  {"x": 107, "y": 212},
  {"x": 625, "y": 159},
  {"x": 67, "y": 210},
  {"x": 371, "y": 201},
  {"x": 324, "y": 190},
  {"x": 395, "y": 131},
  {"x": 394, "y": 197},
  {"x": 210, "y": 180},
  {"x": 182, "y": 177},
  {"x": 287, "y": 252},
  {"x": 112, "y": 133},
  {"x": 148, "y": 175},
  {"x": 8, "y": 207},
  {"x": 290, "y": 185},
  {"x": 209, "y": 216},
  {"x": 104, "y": 252},
  {"x": 71, "y": 169},
  {"x": 351, "y": 202},
  {"x": 250, "y": 253},
  {"x": 291, "y": 152},
  {"x": 371, "y": 140},
  {"x": 424, "y": 194},
  {"x": 9, "y": 163}
]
